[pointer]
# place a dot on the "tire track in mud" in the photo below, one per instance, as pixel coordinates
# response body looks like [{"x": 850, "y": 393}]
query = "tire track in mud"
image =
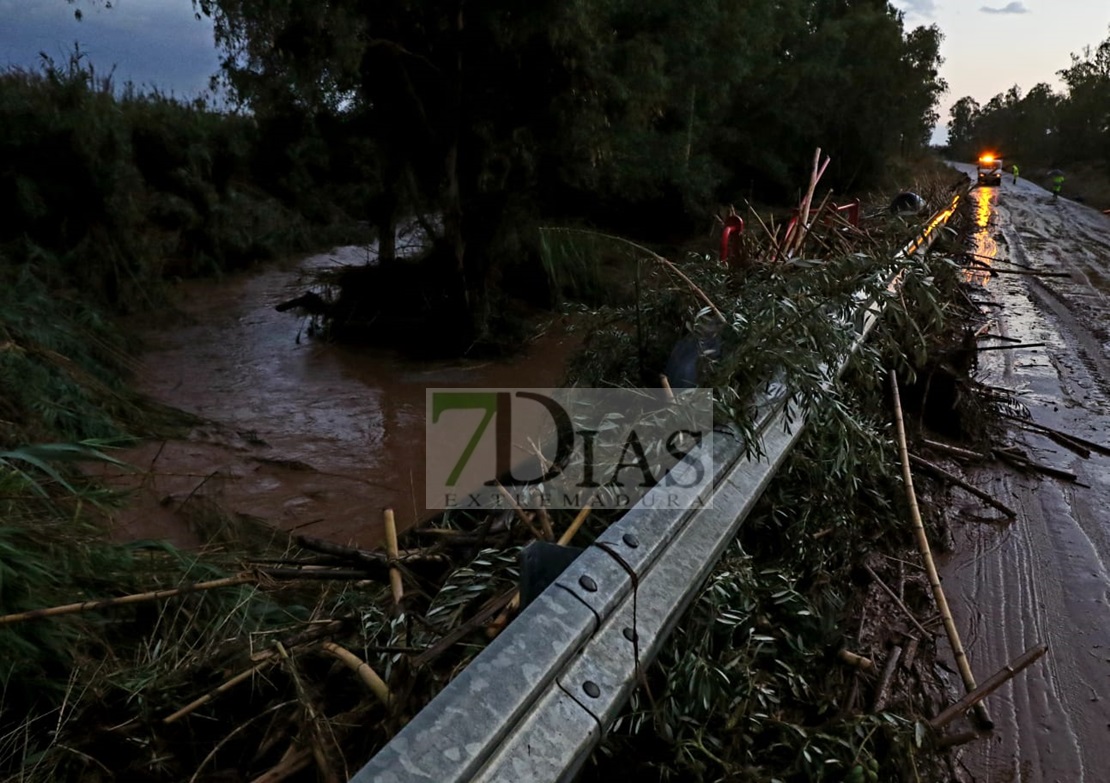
[{"x": 1044, "y": 577}]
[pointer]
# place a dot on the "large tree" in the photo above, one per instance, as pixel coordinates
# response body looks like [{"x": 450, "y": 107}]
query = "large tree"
[{"x": 484, "y": 113}]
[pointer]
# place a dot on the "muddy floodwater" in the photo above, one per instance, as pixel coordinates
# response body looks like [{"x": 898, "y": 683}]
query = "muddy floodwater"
[
  {"x": 1045, "y": 576},
  {"x": 299, "y": 434}
]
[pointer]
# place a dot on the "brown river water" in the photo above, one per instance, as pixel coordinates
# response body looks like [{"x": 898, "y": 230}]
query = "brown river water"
[{"x": 299, "y": 434}]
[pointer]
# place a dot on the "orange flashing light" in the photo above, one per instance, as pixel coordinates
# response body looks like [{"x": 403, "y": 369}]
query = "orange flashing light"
[{"x": 987, "y": 158}]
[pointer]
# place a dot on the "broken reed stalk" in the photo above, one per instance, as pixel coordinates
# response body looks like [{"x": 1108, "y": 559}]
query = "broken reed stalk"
[
  {"x": 364, "y": 671},
  {"x": 513, "y": 605},
  {"x": 124, "y": 600},
  {"x": 545, "y": 523},
  {"x": 395, "y": 583},
  {"x": 667, "y": 390},
  {"x": 927, "y": 554},
  {"x": 568, "y": 534},
  {"x": 955, "y": 451},
  {"x": 521, "y": 514},
  {"x": 910, "y": 652},
  {"x": 996, "y": 681},
  {"x": 959, "y": 482},
  {"x": 897, "y": 601},
  {"x": 775, "y": 246},
  {"x": 449, "y": 639},
  {"x": 854, "y": 659},
  {"x": 225, "y": 686},
  {"x": 697, "y": 291},
  {"x": 883, "y": 692}
]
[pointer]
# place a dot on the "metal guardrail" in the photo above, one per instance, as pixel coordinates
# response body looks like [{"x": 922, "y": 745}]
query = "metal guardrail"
[{"x": 534, "y": 704}]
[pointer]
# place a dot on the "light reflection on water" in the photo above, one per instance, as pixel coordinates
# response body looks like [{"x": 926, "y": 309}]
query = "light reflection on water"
[{"x": 984, "y": 248}]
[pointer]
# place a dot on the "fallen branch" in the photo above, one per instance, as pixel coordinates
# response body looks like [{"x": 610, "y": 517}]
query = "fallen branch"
[
  {"x": 492, "y": 607},
  {"x": 1023, "y": 463},
  {"x": 1012, "y": 347},
  {"x": 959, "y": 482},
  {"x": 364, "y": 671},
  {"x": 1092, "y": 445},
  {"x": 996, "y": 681},
  {"x": 891, "y": 666},
  {"x": 927, "y": 555},
  {"x": 124, "y": 600}
]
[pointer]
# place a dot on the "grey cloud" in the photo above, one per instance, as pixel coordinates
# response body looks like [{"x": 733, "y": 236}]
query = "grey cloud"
[{"x": 1009, "y": 8}]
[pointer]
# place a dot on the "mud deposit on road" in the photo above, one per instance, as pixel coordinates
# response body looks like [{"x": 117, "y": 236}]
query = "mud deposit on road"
[
  {"x": 1044, "y": 577},
  {"x": 301, "y": 435}
]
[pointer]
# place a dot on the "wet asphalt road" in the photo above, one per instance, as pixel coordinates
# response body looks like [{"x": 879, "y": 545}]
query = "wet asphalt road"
[{"x": 1045, "y": 577}]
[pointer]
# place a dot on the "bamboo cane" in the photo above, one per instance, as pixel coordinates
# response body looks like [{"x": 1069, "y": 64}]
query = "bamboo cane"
[
  {"x": 360, "y": 667},
  {"x": 854, "y": 659},
  {"x": 927, "y": 555},
  {"x": 955, "y": 451},
  {"x": 225, "y": 686},
  {"x": 996, "y": 681},
  {"x": 395, "y": 583},
  {"x": 124, "y": 600},
  {"x": 568, "y": 534}
]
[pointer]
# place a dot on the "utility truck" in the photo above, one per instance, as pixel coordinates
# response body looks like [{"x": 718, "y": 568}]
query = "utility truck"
[{"x": 990, "y": 169}]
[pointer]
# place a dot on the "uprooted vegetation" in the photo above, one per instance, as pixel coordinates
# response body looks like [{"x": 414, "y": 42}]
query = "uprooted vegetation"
[{"x": 248, "y": 670}]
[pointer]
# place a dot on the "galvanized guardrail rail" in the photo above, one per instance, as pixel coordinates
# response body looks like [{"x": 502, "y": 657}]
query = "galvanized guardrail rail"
[{"x": 534, "y": 704}]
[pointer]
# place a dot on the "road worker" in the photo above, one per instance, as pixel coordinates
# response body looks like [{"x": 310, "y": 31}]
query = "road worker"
[
  {"x": 1015, "y": 170},
  {"x": 1057, "y": 185}
]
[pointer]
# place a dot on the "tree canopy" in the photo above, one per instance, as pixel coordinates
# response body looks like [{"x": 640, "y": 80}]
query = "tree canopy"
[{"x": 488, "y": 115}]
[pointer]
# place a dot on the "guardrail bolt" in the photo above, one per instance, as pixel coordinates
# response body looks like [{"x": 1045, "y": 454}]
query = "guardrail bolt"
[
  {"x": 587, "y": 583},
  {"x": 630, "y": 634},
  {"x": 591, "y": 689},
  {"x": 630, "y": 540}
]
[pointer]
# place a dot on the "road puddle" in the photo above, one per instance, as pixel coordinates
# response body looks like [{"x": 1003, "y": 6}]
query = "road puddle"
[
  {"x": 984, "y": 247},
  {"x": 302, "y": 435}
]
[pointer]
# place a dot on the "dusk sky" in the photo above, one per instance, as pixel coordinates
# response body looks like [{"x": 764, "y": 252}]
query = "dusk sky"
[{"x": 989, "y": 45}]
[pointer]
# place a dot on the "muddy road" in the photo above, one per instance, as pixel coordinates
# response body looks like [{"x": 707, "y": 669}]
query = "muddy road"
[{"x": 1045, "y": 577}]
